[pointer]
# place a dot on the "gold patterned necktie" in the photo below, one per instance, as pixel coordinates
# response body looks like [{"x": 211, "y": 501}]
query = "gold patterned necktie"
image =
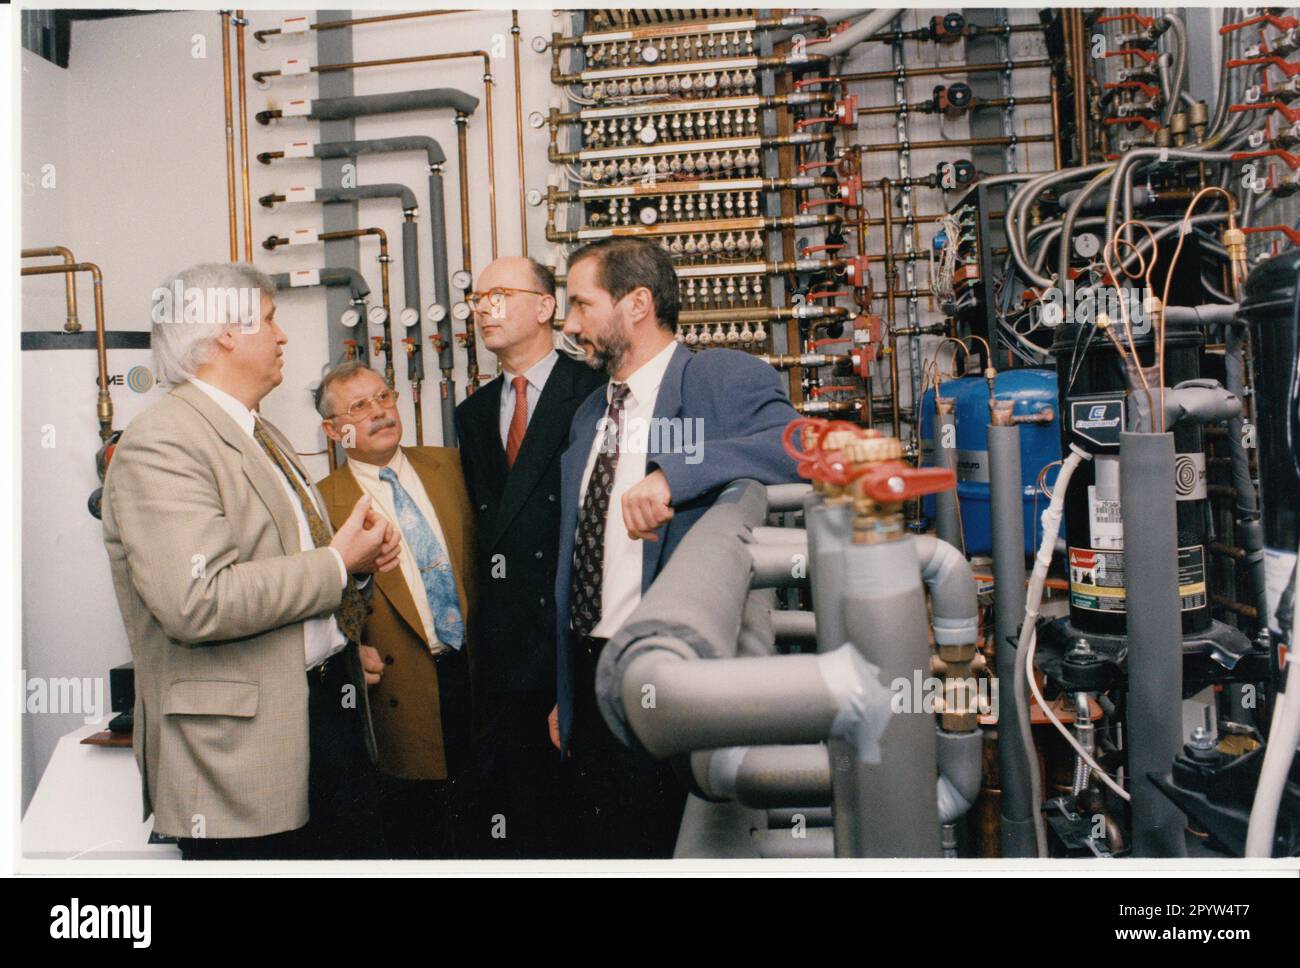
[{"x": 351, "y": 613}]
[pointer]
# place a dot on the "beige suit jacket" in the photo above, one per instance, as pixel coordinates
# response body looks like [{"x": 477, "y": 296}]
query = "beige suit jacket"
[{"x": 214, "y": 588}]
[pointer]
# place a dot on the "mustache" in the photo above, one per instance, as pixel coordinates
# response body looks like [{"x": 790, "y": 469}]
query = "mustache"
[{"x": 383, "y": 423}]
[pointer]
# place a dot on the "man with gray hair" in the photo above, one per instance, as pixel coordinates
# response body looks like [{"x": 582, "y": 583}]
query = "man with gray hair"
[{"x": 239, "y": 599}]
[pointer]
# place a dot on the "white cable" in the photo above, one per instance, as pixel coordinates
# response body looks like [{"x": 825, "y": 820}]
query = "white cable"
[
  {"x": 1283, "y": 737},
  {"x": 1024, "y": 647}
]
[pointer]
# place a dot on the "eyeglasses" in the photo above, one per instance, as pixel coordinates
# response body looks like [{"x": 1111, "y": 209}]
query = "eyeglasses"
[
  {"x": 482, "y": 302},
  {"x": 386, "y": 398}
]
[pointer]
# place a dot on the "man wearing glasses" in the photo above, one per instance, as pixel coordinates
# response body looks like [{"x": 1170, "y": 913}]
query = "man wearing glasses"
[
  {"x": 512, "y": 432},
  {"x": 415, "y": 634}
]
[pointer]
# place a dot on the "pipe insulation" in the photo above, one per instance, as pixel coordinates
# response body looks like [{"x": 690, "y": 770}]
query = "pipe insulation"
[
  {"x": 1155, "y": 641},
  {"x": 341, "y": 108},
  {"x": 1006, "y": 494}
]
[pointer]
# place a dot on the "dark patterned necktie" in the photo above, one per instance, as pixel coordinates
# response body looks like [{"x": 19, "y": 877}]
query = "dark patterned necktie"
[
  {"x": 589, "y": 548},
  {"x": 351, "y": 613}
]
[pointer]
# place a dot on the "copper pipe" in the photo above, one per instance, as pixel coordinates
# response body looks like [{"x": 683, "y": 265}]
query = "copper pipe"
[
  {"x": 1056, "y": 121},
  {"x": 686, "y": 105},
  {"x": 690, "y": 187},
  {"x": 240, "y": 23},
  {"x": 959, "y": 143},
  {"x": 924, "y": 107},
  {"x": 104, "y": 406},
  {"x": 519, "y": 136},
  {"x": 73, "y": 325},
  {"x": 672, "y": 68},
  {"x": 686, "y": 227},
  {"x": 471, "y": 345},
  {"x": 684, "y": 147},
  {"x": 892, "y": 75},
  {"x": 887, "y": 200},
  {"x": 230, "y": 134},
  {"x": 427, "y": 58},
  {"x": 683, "y": 29},
  {"x": 261, "y": 35},
  {"x": 1080, "y": 84}
]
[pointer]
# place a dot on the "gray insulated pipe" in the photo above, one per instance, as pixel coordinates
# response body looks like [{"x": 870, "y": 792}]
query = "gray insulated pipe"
[
  {"x": 947, "y": 520},
  {"x": 1250, "y": 529},
  {"x": 342, "y": 108},
  {"x": 885, "y": 807},
  {"x": 1006, "y": 494},
  {"x": 872, "y": 23},
  {"x": 438, "y": 236},
  {"x": 1155, "y": 640},
  {"x": 765, "y": 776}
]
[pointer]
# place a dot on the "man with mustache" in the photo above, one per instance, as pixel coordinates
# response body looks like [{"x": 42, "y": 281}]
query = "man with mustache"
[
  {"x": 627, "y": 501},
  {"x": 415, "y": 635}
]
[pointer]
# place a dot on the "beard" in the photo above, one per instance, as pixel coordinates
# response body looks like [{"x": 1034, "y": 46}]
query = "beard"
[{"x": 609, "y": 351}]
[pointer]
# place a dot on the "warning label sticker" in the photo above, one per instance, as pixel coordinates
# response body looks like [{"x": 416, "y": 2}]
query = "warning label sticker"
[
  {"x": 1097, "y": 579},
  {"x": 1191, "y": 577}
]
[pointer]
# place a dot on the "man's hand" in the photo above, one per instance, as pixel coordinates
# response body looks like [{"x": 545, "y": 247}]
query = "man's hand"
[
  {"x": 361, "y": 539},
  {"x": 371, "y": 664},
  {"x": 553, "y": 724},
  {"x": 646, "y": 506},
  {"x": 390, "y": 552}
]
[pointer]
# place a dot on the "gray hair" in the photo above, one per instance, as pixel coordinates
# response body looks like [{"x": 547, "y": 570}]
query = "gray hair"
[
  {"x": 344, "y": 371},
  {"x": 193, "y": 307}
]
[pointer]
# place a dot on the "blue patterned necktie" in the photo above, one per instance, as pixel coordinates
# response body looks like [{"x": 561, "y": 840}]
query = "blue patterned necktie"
[{"x": 434, "y": 565}]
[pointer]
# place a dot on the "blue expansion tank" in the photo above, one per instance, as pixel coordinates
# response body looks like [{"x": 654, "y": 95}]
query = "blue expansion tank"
[{"x": 1040, "y": 444}]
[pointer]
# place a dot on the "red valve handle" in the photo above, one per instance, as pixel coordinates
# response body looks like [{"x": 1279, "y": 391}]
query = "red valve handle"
[
  {"x": 1147, "y": 55},
  {"x": 1288, "y": 68},
  {"x": 1121, "y": 17},
  {"x": 1292, "y": 234},
  {"x": 1148, "y": 123},
  {"x": 1292, "y": 161},
  {"x": 1291, "y": 114},
  {"x": 1281, "y": 23},
  {"x": 893, "y": 482},
  {"x": 1150, "y": 90}
]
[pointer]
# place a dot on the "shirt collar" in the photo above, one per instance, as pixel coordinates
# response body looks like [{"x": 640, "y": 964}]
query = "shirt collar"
[
  {"x": 233, "y": 408},
  {"x": 360, "y": 469},
  {"x": 538, "y": 373},
  {"x": 643, "y": 385}
]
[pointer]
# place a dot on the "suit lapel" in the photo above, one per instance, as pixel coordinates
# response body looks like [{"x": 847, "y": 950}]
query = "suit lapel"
[
  {"x": 390, "y": 583},
  {"x": 668, "y": 405},
  {"x": 546, "y": 434},
  {"x": 257, "y": 465}
]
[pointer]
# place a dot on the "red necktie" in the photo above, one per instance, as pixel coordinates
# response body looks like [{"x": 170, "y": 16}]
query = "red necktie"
[{"x": 519, "y": 422}]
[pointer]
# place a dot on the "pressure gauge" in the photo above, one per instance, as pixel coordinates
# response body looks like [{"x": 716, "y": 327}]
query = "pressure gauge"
[
  {"x": 534, "y": 197},
  {"x": 540, "y": 44},
  {"x": 648, "y": 134},
  {"x": 350, "y": 318},
  {"x": 378, "y": 315},
  {"x": 461, "y": 279},
  {"x": 648, "y": 215},
  {"x": 460, "y": 311},
  {"x": 409, "y": 317},
  {"x": 649, "y": 53},
  {"x": 1087, "y": 245},
  {"x": 536, "y": 119},
  {"x": 437, "y": 312}
]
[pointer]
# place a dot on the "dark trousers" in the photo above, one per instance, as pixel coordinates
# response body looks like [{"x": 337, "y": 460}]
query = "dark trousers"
[
  {"x": 620, "y": 803},
  {"x": 343, "y": 786},
  {"x": 517, "y": 812},
  {"x": 421, "y": 817}
]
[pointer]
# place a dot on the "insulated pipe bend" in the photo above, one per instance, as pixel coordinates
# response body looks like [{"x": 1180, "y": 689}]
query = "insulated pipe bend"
[
  {"x": 872, "y": 23},
  {"x": 387, "y": 190},
  {"x": 342, "y": 108},
  {"x": 947, "y": 575},
  {"x": 346, "y": 149},
  {"x": 333, "y": 276}
]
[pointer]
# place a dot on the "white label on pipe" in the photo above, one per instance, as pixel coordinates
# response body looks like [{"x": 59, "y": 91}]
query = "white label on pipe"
[
  {"x": 298, "y": 149},
  {"x": 294, "y": 25},
  {"x": 302, "y": 237},
  {"x": 300, "y": 193},
  {"x": 294, "y": 65},
  {"x": 304, "y": 277},
  {"x": 299, "y": 107}
]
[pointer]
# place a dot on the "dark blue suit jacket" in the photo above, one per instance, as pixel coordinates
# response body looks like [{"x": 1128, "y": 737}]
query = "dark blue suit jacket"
[{"x": 744, "y": 407}]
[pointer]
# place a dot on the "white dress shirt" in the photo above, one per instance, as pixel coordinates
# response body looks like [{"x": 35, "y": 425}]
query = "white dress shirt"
[
  {"x": 536, "y": 375},
  {"x": 621, "y": 579},
  {"x": 321, "y": 636},
  {"x": 381, "y": 495}
]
